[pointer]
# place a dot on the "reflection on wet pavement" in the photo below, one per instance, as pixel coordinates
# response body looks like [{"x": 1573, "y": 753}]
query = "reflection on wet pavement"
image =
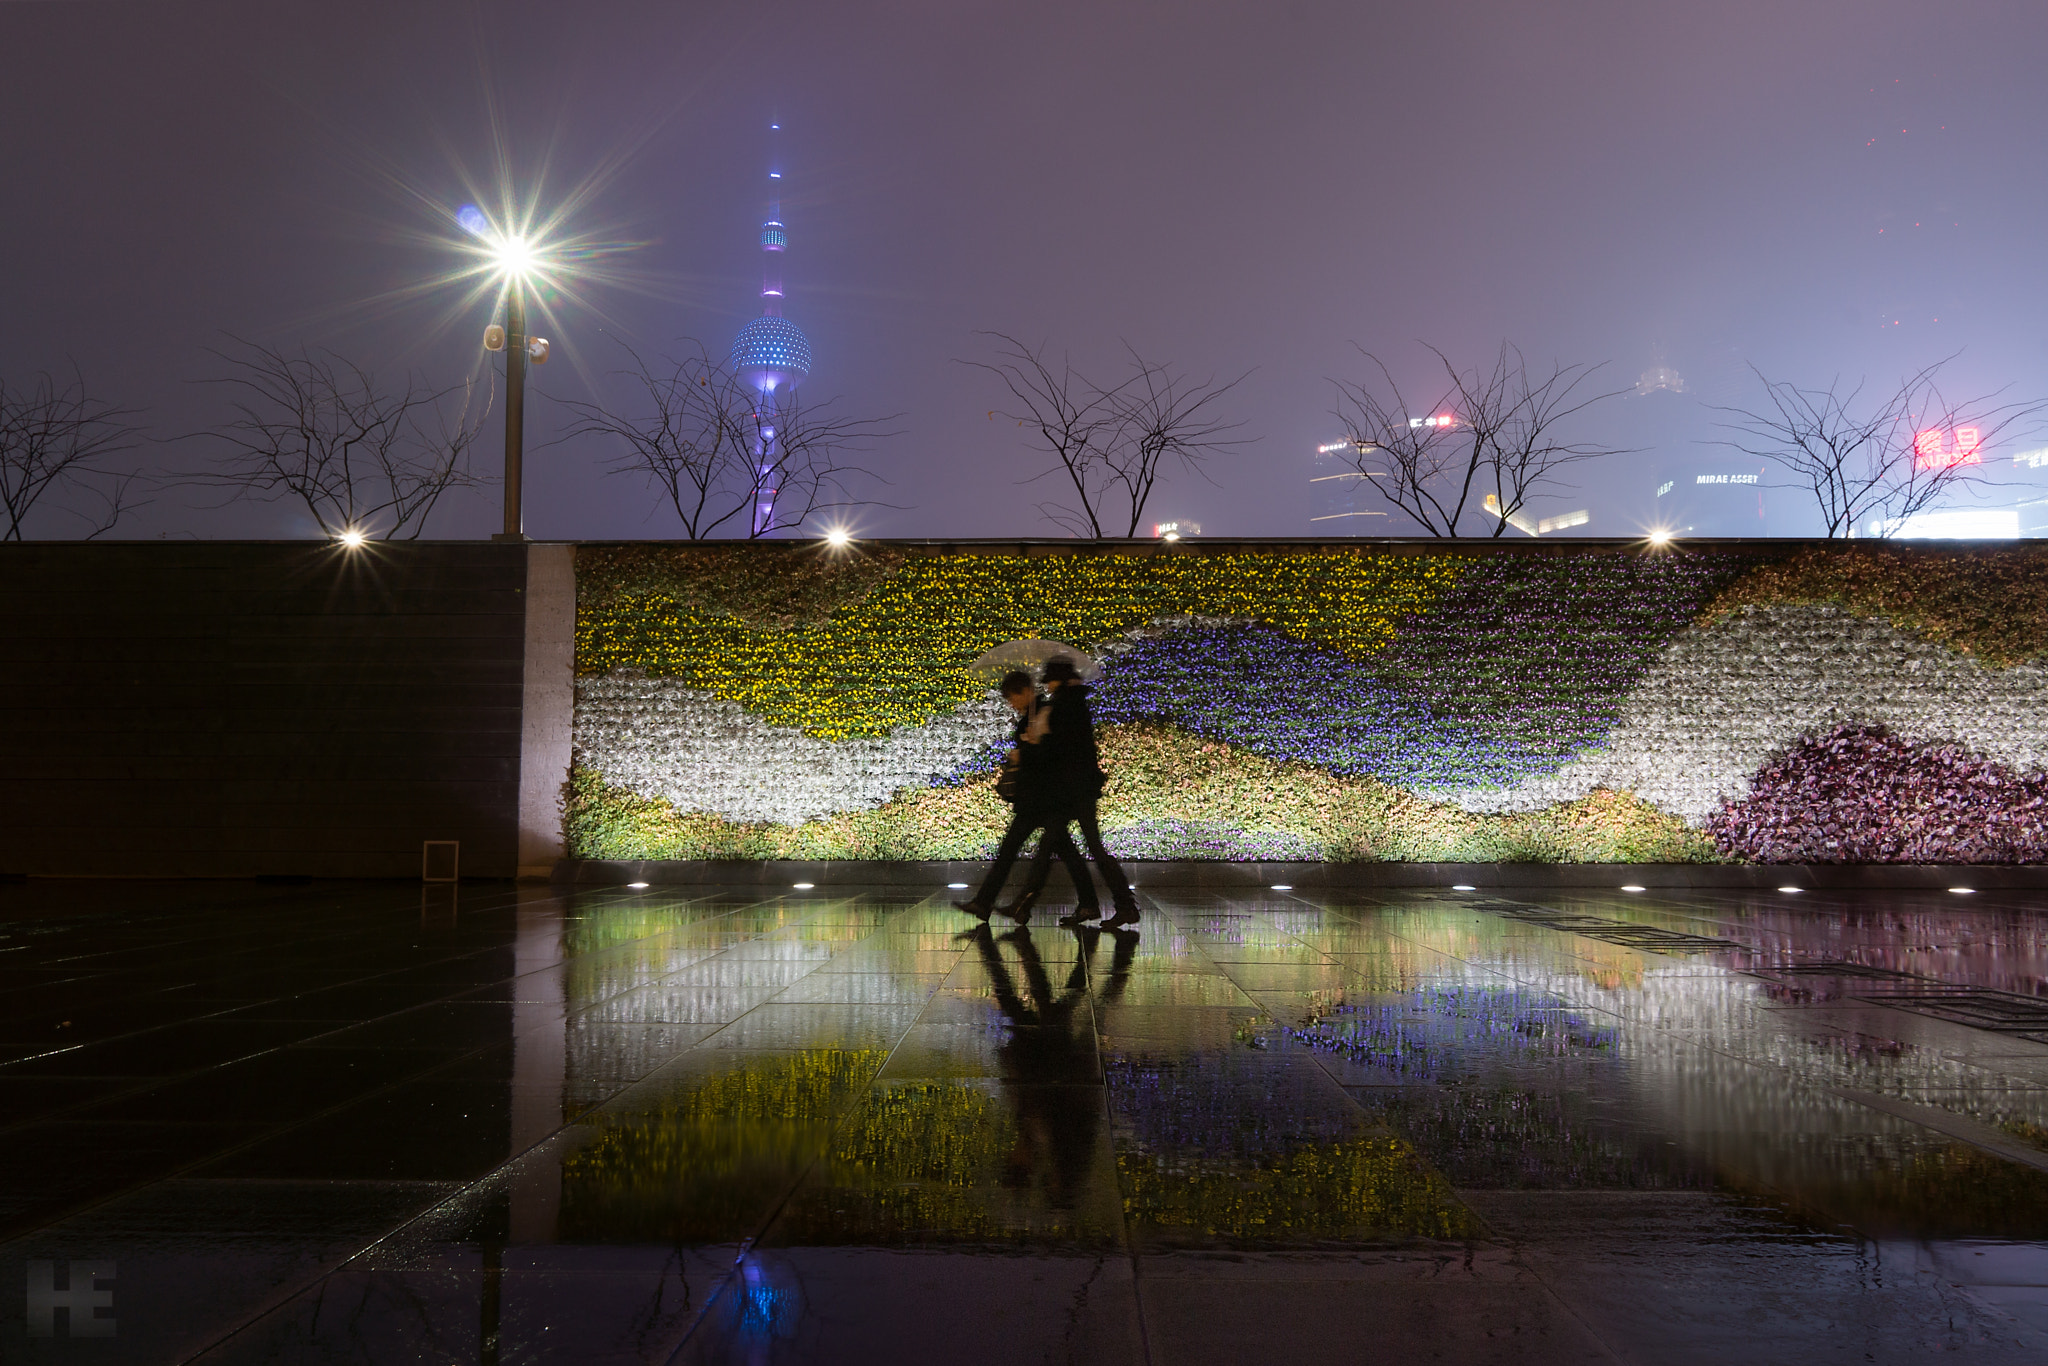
[{"x": 339, "y": 1123}]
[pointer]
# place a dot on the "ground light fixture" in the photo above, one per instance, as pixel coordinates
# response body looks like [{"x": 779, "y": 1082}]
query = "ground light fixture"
[
  {"x": 636, "y": 886},
  {"x": 956, "y": 886},
  {"x": 1632, "y": 887},
  {"x": 1963, "y": 891},
  {"x": 1791, "y": 889},
  {"x": 1463, "y": 887},
  {"x": 1282, "y": 887},
  {"x": 803, "y": 886}
]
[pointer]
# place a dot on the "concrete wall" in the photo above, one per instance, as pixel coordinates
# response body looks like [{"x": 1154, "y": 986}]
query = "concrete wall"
[
  {"x": 238, "y": 709},
  {"x": 547, "y": 730}
]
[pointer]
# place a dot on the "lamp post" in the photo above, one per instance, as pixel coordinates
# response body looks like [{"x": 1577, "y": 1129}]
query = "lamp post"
[
  {"x": 515, "y": 406},
  {"x": 514, "y": 256}
]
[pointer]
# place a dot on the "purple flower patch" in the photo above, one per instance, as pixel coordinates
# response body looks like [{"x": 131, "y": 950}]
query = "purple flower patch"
[
  {"x": 1524, "y": 663},
  {"x": 1860, "y": 794}
]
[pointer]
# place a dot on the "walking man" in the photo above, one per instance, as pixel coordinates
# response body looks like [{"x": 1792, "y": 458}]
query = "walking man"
[{"x": 1076, "y": 779}]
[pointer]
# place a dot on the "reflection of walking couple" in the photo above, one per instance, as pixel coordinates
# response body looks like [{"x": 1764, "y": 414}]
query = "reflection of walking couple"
[
  {"x": 1054, "y": 777},
  {"x": 1051, "y": 1071}
]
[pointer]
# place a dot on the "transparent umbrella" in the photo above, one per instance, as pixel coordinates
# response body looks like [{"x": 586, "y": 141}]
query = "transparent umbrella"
[{"x": 1030, "y": 655}]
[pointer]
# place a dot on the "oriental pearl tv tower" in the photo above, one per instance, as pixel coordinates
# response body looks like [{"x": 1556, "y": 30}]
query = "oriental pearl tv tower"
[{"x": 770, "y": 355}]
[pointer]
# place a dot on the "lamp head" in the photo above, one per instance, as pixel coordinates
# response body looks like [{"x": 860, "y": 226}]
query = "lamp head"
[{"x": 514, "y": 254}]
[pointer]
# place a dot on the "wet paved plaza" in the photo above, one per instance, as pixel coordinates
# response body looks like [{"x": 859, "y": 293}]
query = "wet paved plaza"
[{"x": 378, "y": 1124}]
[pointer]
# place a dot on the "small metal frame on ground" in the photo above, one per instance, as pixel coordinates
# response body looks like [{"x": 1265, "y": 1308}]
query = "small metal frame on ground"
[{"x": 441, "y": 861}]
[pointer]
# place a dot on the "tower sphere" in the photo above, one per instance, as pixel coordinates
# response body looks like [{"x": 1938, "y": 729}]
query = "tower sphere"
[{"x": 770, "y": 354}]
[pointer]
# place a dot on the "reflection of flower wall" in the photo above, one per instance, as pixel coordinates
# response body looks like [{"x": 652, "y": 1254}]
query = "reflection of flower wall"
[{"x": 749, "y": 702}]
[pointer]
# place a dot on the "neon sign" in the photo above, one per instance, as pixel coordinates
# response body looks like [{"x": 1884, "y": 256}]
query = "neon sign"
[{"x": 1931, "y": 450}]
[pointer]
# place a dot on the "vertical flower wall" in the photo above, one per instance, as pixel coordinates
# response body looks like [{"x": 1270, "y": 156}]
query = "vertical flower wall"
[{"x": 1593, "y": 702}]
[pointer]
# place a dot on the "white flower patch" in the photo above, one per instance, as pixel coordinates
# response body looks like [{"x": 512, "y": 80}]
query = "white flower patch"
[
  {"x": 657, "y": 738},
  {"x": 1166, "y": 625},
  {"x": 1720, "y": 700}
]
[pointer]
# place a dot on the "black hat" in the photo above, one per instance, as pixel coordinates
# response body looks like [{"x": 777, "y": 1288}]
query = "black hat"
[{"x": 1060, "y": 669}]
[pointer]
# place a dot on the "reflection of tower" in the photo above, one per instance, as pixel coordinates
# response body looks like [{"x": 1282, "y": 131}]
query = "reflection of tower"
[{"x": 770, "y": 355}]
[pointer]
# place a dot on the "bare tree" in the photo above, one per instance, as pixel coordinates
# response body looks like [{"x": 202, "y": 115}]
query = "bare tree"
[
  {"x": 317, "y": 428},
  {"x": 1487, "y": 442},
  {"x": 1423, "y": 468},
  {"x": 58, "y": 442},
  {"x": 721, "y": 455},
  {"x": 1876, "y": 461},
  {"x": 1112, "y": 442}
]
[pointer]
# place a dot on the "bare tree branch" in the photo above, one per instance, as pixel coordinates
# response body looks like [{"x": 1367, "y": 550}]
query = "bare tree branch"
[
  {"x": 699, "y": 433},
  {"x": 58, "y": 442},
  {"x": 1485, "y": 445},
  {"x": 1521, "y": 416},
  {"x": 1111, "y": 442},
  {"x": 315, "y": 427},
  {"x": 1420, "y": 468},
  {"x": 1074, "y": 419},
  {"x": 811, "y": 467},
  {"x": 1871, "y": 462},
  {"x": 1162, "y": 415}
]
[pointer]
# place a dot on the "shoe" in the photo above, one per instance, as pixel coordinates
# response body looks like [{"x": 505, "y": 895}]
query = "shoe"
[
  {"x": 1020, "y": 909},
  {"x": 1125, "y": 917},
  {"x": 1080, "y": 916},
  {"x": 973, "y": 908}
]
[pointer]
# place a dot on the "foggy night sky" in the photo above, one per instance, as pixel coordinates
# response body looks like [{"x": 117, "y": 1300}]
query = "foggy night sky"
[{"x": 1804, "y": 186}]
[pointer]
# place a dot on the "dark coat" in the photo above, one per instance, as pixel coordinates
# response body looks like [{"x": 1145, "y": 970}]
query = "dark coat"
[
  {"x": 1036, "y": 781},
  {"x": 1075, "y": 766}
]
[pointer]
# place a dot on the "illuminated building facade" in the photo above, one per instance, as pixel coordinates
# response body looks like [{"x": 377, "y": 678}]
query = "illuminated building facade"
[
  {"x": 771, "y": 355},
  {"x": 1339, "y": 501},
  {"x": 1724, "y": 498}
]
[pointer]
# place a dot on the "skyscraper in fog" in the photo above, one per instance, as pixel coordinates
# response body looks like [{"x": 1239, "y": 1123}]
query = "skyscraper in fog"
[{"x": 1339, "y": 503}]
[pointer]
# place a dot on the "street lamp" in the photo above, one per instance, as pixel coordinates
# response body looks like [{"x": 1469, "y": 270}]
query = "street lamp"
[{"x": 514, "y": 256}]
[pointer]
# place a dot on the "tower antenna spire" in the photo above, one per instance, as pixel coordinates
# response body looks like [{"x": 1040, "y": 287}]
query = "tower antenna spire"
[{"x": 770, "y": 355}]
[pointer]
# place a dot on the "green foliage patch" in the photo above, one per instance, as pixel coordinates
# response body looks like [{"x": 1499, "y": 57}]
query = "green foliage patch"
[
  {"x": 1161, "y": 778},
  {"x": 1992, "y": 602}
]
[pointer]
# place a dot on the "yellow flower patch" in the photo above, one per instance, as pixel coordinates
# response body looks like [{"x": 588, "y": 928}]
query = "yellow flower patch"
[{"x": 895, "y": 654}]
